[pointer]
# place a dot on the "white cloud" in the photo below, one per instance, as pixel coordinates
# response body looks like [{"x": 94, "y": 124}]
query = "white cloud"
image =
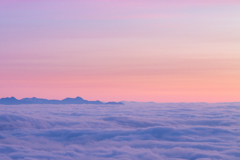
[{"x": 195, "y": 131}]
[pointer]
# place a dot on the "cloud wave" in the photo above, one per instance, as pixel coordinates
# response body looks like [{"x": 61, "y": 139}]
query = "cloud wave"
[{"x": 180, "y": 131}]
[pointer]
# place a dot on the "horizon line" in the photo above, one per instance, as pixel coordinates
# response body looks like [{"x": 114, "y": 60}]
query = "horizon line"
[{"x": 128, "y": 101}]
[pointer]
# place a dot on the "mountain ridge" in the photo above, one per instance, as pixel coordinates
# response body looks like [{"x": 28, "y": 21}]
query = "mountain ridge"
[{"x": 34, "y": 100}]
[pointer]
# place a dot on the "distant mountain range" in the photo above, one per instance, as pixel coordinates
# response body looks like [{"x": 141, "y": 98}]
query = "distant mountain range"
[{"x": 34, "y": 100}]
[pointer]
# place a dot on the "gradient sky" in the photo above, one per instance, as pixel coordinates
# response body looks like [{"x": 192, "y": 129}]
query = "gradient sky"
[{"x": 113, "y": 50}]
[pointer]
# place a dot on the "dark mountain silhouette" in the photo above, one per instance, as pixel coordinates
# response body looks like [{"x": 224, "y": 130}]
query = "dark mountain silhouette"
[
  {"x": 114, "y": 103},
  {"x": 34, "y": 100},
  {"x": 79, "y": 100},
  {"x": 8, "y": 100}
]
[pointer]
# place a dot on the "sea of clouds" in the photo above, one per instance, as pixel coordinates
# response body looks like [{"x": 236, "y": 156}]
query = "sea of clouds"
[{"x": 180, "y": 131}]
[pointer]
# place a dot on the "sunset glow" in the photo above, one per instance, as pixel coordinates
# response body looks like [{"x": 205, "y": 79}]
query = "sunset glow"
[{"x": 162, "y": 51}]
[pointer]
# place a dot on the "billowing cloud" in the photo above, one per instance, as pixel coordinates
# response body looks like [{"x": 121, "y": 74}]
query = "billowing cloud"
[{"x": 196, "y": 131}]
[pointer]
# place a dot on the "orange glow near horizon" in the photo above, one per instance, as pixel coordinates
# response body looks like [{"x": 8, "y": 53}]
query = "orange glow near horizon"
[{"x": 171, "y": 88}]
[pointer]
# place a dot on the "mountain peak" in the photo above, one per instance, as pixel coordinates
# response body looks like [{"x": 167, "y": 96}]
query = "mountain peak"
[{"x": 34, "y": 100}]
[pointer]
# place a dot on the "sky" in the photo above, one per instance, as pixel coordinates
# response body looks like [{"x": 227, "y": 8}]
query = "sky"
[{"x": 155, "y": 50}]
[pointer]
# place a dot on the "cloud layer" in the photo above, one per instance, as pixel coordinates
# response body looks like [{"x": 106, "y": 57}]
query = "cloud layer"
[{"x": 195, "y": 131}]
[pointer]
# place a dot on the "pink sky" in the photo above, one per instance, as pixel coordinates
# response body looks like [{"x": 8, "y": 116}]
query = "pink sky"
[{"x": 175, "y": 51}]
